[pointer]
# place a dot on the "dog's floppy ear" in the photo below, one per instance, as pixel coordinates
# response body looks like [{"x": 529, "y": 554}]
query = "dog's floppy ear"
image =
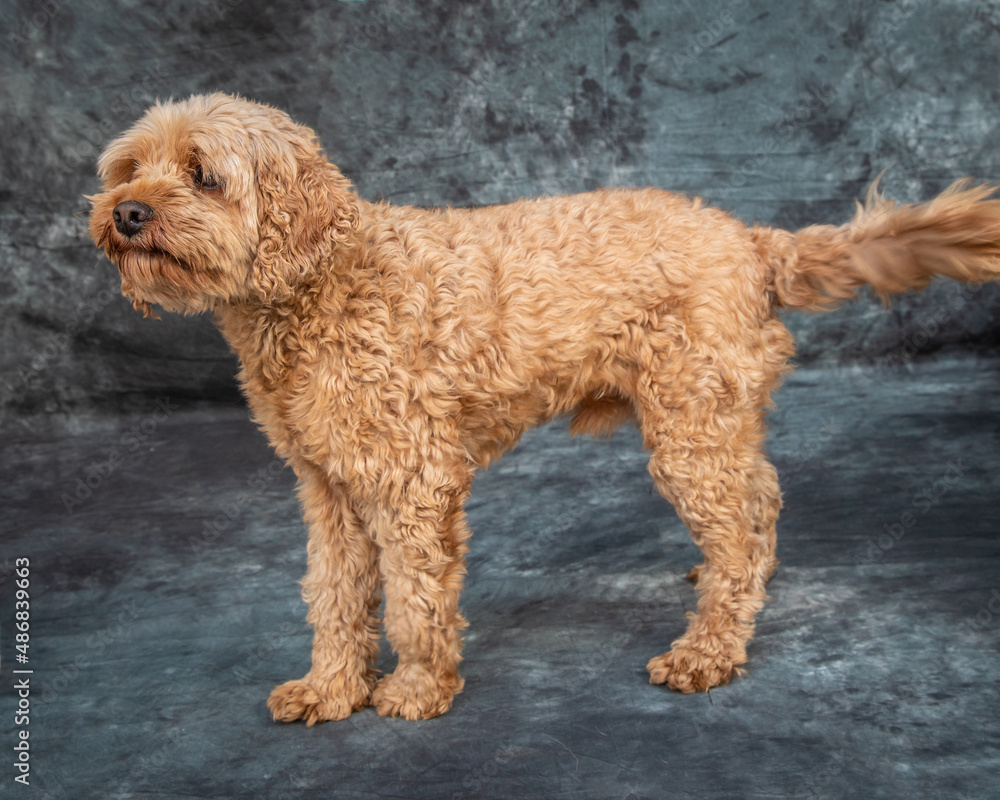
[{"x": 306, "y": 206}]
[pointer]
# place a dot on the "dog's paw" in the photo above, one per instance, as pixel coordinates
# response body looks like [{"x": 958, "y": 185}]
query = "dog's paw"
[
  {"x": 414, "y": 692},
  {"x": 685, "y": 669},
  {"x": 317, "y": 701}
]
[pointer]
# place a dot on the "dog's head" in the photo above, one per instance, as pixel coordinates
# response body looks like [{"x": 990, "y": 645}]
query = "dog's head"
[{"x": 216, "y": 200}]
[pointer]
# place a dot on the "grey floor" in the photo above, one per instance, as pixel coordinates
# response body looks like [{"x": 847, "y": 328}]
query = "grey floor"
[{"x": 165, "y": 607}]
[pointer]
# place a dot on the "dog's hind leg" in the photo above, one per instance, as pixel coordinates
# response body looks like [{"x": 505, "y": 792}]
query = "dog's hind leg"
[
  {"x": 707, "y": 459},
  {"x": 342, "y": 589}
]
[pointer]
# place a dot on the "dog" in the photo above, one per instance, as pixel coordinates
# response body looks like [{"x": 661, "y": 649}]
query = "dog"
[{"x": 389, "y": 351}]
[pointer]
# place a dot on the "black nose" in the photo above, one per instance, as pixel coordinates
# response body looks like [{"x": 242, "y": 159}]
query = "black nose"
[{"x": 130, "y": 216}]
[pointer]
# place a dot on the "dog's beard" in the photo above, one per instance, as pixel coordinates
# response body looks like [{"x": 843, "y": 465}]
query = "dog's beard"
[
  {"x": 155, "y": 276},
  {"x": 151, "y": 267}
]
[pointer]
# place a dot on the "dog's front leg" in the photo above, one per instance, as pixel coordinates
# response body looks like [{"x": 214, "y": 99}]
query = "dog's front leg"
[
  {"x": 422, "y": 534},
  {"x": 342, "y": 589}
]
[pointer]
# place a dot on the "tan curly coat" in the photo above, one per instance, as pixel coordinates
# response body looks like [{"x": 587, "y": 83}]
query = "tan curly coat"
[{"x": 389, "y": 351}]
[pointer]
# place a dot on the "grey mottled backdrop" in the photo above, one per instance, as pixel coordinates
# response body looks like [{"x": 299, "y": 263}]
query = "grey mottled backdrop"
[
  {"x": 781, "y": 112},
  {"x": 165, "y": 548}
]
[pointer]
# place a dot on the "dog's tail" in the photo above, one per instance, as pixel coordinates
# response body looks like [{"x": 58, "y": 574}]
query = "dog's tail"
[{"x": 891, "y": 247}]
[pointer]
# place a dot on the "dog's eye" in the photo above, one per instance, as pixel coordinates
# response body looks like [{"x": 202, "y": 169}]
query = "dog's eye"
[{"x": 206, "y": 180}]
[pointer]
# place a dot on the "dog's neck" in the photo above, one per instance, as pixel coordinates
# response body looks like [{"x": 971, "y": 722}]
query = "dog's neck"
[
  {"x": 257, "y": 334},
  {"x": 268, "y": 335}
]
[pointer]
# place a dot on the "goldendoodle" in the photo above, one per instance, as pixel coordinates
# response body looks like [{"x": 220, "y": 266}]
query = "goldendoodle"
[{"x": 388, "y": 351}]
